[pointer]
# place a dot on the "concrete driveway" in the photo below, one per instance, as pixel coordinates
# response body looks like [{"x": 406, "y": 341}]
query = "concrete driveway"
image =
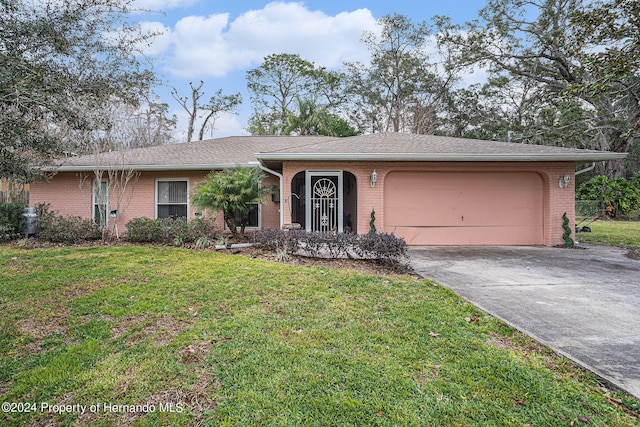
[{"x": 582, "y": 303}]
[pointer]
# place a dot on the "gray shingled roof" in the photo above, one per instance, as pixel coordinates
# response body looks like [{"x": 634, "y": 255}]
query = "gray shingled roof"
[
  {"x": 245, "y": 150},
  {"x": 406, "y": 147},
  {"x": 200, "y": 155}
]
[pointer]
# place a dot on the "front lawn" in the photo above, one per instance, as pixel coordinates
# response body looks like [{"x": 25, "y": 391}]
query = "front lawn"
[
  {"x": 164, "y": 336},
  {"x": 613, "y": 233}
]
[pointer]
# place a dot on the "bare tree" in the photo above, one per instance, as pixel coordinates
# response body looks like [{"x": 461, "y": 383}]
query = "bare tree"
[
  {"x": 190, "y": 105},
  {"x": 138, "y": 127},
  {"x": 217, "y": 104},
  {"x": 110, "y": 191}
]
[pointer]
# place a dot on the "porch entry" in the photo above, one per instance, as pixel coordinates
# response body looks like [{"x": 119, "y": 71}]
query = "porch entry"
[
  {"x": 324, "y": 201},
  {"x": 325, "y": 207}
]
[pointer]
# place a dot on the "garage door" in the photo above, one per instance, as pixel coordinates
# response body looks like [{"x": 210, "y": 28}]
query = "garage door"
[{"x": 464, "y": 208}]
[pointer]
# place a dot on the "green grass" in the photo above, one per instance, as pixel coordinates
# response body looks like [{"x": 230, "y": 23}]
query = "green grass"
[
  {"x": 210, "y": 339},
  {"x": 613, "y": 233}
]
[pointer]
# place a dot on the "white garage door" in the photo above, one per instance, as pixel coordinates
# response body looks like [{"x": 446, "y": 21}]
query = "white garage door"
[{"x": 464, "y": 208}]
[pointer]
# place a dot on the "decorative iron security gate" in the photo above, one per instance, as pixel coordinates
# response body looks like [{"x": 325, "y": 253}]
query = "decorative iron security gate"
[
  {"x": 324, "y": 205},
  {"x": 324, "y": 210}
]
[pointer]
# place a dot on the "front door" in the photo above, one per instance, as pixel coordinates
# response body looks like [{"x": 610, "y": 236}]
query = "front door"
[{"x": 324, "y": 201}]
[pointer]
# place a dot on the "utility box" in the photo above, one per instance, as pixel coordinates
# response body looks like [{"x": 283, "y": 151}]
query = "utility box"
[{"x": 31, "y": 223}]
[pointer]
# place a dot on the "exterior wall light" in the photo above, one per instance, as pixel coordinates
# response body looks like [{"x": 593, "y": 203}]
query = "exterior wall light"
[
  {"x": 374, "y": 178},
  {"x": 563, "y": 182}
]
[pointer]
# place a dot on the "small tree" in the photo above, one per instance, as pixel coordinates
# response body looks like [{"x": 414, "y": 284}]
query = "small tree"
[
  {"x": 231, "y": 191},
  {"x": 110, "y": 180}
]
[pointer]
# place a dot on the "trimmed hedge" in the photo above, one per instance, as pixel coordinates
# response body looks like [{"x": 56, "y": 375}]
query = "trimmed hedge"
[
  {"x": 379, "y": 247},
  {"x": 65, "y": 229},
  {"x": 170, "y": 231}
]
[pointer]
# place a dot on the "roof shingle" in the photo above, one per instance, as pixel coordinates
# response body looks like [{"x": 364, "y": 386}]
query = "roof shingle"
[{"x": 245, "y": 150}]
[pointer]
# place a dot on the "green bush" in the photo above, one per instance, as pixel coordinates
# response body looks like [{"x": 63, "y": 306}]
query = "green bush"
[
  {"x": 382, "y": 247},
  {"x": 619, "y": 194},
  {"x": 67, "y": 229},
  {"x": 144, "y": 230},
  {"x": 12, "y": 220},
  {"x": 168, "y": 230}
]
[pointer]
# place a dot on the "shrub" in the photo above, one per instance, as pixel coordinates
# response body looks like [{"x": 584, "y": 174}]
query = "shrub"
[
  {"x": 380, "y": 247},
  {"x": 202, "y": 227},
  {"x": 56, "y": 228},
  {"x": 12, "y": 220},
  {"x": 69, "y": 229},
  {"x": 144, "y": 230},
  {"x": 170, "y": 231},
  {"x": 275, "y": 240},
  {"x": 622, "y": 195}
]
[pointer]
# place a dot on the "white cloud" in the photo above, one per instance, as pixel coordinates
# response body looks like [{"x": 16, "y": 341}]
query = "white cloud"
[{"x": 201, "y": 46}]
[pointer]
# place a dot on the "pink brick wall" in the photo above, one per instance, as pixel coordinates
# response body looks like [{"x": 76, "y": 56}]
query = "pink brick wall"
[
  {"x": 69, "y": 193},
  {"x": 68, "y": 197},
  {"x": 270, "y": 211},
  {"x": 556, "y": 200},
  {"x": 64, "y": 193}
]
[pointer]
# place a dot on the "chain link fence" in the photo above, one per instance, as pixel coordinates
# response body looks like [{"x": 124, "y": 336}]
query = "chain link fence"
[{"x": 589, "y": 208}]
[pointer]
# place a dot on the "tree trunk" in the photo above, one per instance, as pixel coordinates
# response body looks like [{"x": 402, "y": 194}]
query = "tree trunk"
[
  {"x": 614, "y": 168},
  {"x": 230, "y": 220},
  {"x": 619, "y": 144},
  {"x": 244, "y": 222}
]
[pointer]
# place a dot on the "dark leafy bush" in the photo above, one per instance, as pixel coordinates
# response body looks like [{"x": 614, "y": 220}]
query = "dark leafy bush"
[
  {"x": 56, "y": 228},
  {"x": 144, "y": 230},
  {"x": 618, "y": 195},
  {"x": 384, "y": 248},
  {"x": 276, "y": 240},
  {"x": 67, "y": 229},
  {"x": 12, "y": 220},
  {"x": 169, "y": 230}
]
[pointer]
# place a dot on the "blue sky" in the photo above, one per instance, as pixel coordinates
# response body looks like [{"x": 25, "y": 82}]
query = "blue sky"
[{"x": 218, "y": 41}]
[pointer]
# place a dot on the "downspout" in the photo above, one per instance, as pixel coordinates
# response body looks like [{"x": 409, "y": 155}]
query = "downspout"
[
  {"x": 279, "y": 175},
  {"x": 587, "y": 169}
]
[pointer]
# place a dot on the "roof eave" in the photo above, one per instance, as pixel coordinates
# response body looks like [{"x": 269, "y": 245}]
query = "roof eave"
[
  {"x": 445, "y": 157},
  {"x": 146, "y": 168}
]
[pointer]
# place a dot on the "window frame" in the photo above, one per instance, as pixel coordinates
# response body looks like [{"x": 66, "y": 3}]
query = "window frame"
[
  {"x": 94, "y": 202},
  {"x": 157, "y": 193}
]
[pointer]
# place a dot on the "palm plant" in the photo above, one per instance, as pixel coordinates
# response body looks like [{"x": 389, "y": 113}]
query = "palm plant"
[
  {"x": 308, "y": 121},
  {"x": 314, "y": 120},
  {"x": 231, "y": 191}
]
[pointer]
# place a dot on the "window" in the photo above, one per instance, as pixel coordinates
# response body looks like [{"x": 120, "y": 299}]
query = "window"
[
  {"x": 254, "y": 217},
  {"x": 100, "y": 202},
  {"x": 172, "y": 198}
]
